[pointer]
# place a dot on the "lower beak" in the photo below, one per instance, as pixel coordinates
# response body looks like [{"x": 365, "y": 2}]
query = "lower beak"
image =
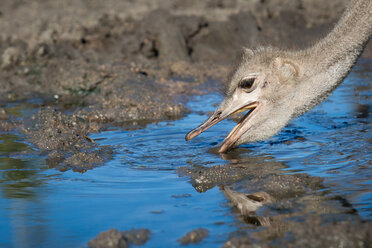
[
  {"x": 216, "y": 118},
  {"x": 236, "y": 132}
]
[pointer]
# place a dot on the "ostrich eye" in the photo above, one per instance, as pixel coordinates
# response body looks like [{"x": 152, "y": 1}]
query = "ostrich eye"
[{"x": 247, "y": 83}]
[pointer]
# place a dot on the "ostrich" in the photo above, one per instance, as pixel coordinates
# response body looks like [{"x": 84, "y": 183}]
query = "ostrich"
[{"x": 276, "y": 86}]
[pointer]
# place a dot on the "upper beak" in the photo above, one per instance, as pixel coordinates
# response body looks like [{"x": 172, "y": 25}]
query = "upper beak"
[
  {"x": 219, "y": 115},
  {"x": 212, "y": 120}
]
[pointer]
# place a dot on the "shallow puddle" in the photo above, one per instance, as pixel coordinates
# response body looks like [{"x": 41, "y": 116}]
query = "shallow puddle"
[{"x": 140, "y": 187}]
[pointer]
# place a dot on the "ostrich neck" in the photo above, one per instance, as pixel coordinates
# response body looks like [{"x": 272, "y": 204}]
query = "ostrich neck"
[
  {"x": 346, "y": 41},
  {"x": 328, "y": 62}
]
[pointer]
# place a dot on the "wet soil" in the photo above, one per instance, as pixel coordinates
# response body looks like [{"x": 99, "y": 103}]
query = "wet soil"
[
  {"x": 113, "y": 238},
  {"x": 194, "y": 236},
  {"x": 281, "y": 210},
  {"x": 65, "y": 140},
  {"x": 93, "y": 65}
]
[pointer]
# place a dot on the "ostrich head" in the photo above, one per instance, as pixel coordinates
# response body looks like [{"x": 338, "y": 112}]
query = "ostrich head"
[
  {"x": 263, "y": 84},
  {"x": 275, "y": 85}
]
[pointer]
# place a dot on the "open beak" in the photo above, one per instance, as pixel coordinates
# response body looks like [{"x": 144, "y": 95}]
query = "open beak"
[{"x": 218, "y": 116}]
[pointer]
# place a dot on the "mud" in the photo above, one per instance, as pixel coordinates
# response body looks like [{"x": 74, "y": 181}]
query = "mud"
[
  {"x": 5, "y": 124},
  {"x": 281, "y": 210},
  {"x": 311, "y": 233},
  {"x": 262, "y": 175},
  {"x": 64, "y": 139},
  {"x": 115, "y": 239},
  {"x": 194, "y": 236},
  {"x": 91, "y": 59}
]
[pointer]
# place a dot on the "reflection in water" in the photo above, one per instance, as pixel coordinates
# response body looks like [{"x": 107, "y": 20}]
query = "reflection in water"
[
  {"x": 17, "y": 180},
  {"x": 8, "y": 144},
  {"x": 21, "y": 183},
  {"x": 363, "y": 111},
  {"x": 18, "y": 177}
]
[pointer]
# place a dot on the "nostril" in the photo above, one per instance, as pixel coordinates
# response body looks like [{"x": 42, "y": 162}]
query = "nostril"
[{"x": 216, "y": 115}]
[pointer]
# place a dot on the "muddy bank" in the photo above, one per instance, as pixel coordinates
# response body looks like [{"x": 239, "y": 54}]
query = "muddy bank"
[
  {"x": 93, "y": 55},
  {"x": 278, "y": 209},
  {"x": 194, "y": 236},
  {"x": 120, "y": 239},
  {"x": 311, "y": 233},
  {"x": 65, "y": 140},
  {"x": 5, "y": 122}
]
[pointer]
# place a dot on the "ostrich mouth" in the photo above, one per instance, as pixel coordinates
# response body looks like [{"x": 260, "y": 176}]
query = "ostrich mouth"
[{"x": 235, "y": 133}]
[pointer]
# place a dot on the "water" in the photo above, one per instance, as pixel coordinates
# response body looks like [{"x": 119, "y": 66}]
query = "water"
[{"x": 140, "y": 187}]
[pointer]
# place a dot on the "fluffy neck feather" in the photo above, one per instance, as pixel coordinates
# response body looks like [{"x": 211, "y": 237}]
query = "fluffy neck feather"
[{"x": 328, "y": 62}]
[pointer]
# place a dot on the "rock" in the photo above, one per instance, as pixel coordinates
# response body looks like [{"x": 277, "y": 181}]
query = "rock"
[
  {"x": 109, "y": 239},
  {"x": 3, "y": 114},
  {"x": 137, "y": 236},
  {"x": 194, "y": 236},
  {"x": 115, "y": 239}
]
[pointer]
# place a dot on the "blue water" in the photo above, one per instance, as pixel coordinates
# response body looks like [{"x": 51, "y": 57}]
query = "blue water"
[{"x": 140, "y": 187}]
